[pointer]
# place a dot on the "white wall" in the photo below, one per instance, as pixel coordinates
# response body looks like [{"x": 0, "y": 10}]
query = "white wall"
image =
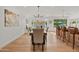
[{"x": 8, "y": 34}]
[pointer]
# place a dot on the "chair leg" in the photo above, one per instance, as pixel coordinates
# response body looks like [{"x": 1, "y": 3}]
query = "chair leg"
[
  {"x": 33, "y": 47},
  {"x": 42, "y": 48}
]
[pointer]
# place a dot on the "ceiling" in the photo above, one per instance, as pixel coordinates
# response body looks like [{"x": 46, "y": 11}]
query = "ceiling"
[{"x": 49, "y": 10}]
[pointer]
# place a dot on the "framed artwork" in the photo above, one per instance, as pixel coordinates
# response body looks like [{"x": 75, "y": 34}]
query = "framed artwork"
[
  {"x": 10, "y": 18},
  {"x": 60, "y": 22}
]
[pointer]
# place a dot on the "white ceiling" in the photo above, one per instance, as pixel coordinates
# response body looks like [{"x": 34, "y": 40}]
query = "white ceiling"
[{"x": 48, "y": 10}]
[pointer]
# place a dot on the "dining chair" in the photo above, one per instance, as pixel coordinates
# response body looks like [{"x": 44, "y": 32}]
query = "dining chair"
[
  {"x": 77, "y": 40},
  {"x": 72, "y": 31},
  {"x": 58, "y": 32},
  {"x": 38, "y": 38}
]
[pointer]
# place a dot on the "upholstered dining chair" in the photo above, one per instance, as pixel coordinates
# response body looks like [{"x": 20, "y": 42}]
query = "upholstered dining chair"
[
  {"x": 77, "y": 40},
  {"x": 58, "y": 32},
  {"x": 38, "y": 38},
  {"x": 72, "y": 31}
]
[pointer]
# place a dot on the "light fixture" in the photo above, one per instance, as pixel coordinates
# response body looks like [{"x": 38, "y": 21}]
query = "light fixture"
[{"x": 38, "y": 13}]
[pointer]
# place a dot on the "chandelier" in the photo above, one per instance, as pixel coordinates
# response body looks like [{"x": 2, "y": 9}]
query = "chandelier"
[{"x": 38, "y": 13}]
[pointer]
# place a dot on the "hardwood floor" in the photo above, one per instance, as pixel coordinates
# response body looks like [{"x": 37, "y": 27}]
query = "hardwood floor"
[
  {"x": 23, "y": 44},
  {"x": 56, "y": 45}
]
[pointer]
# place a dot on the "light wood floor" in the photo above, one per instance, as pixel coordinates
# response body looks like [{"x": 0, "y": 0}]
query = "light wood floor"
[{"x": 23, "y": 44}]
